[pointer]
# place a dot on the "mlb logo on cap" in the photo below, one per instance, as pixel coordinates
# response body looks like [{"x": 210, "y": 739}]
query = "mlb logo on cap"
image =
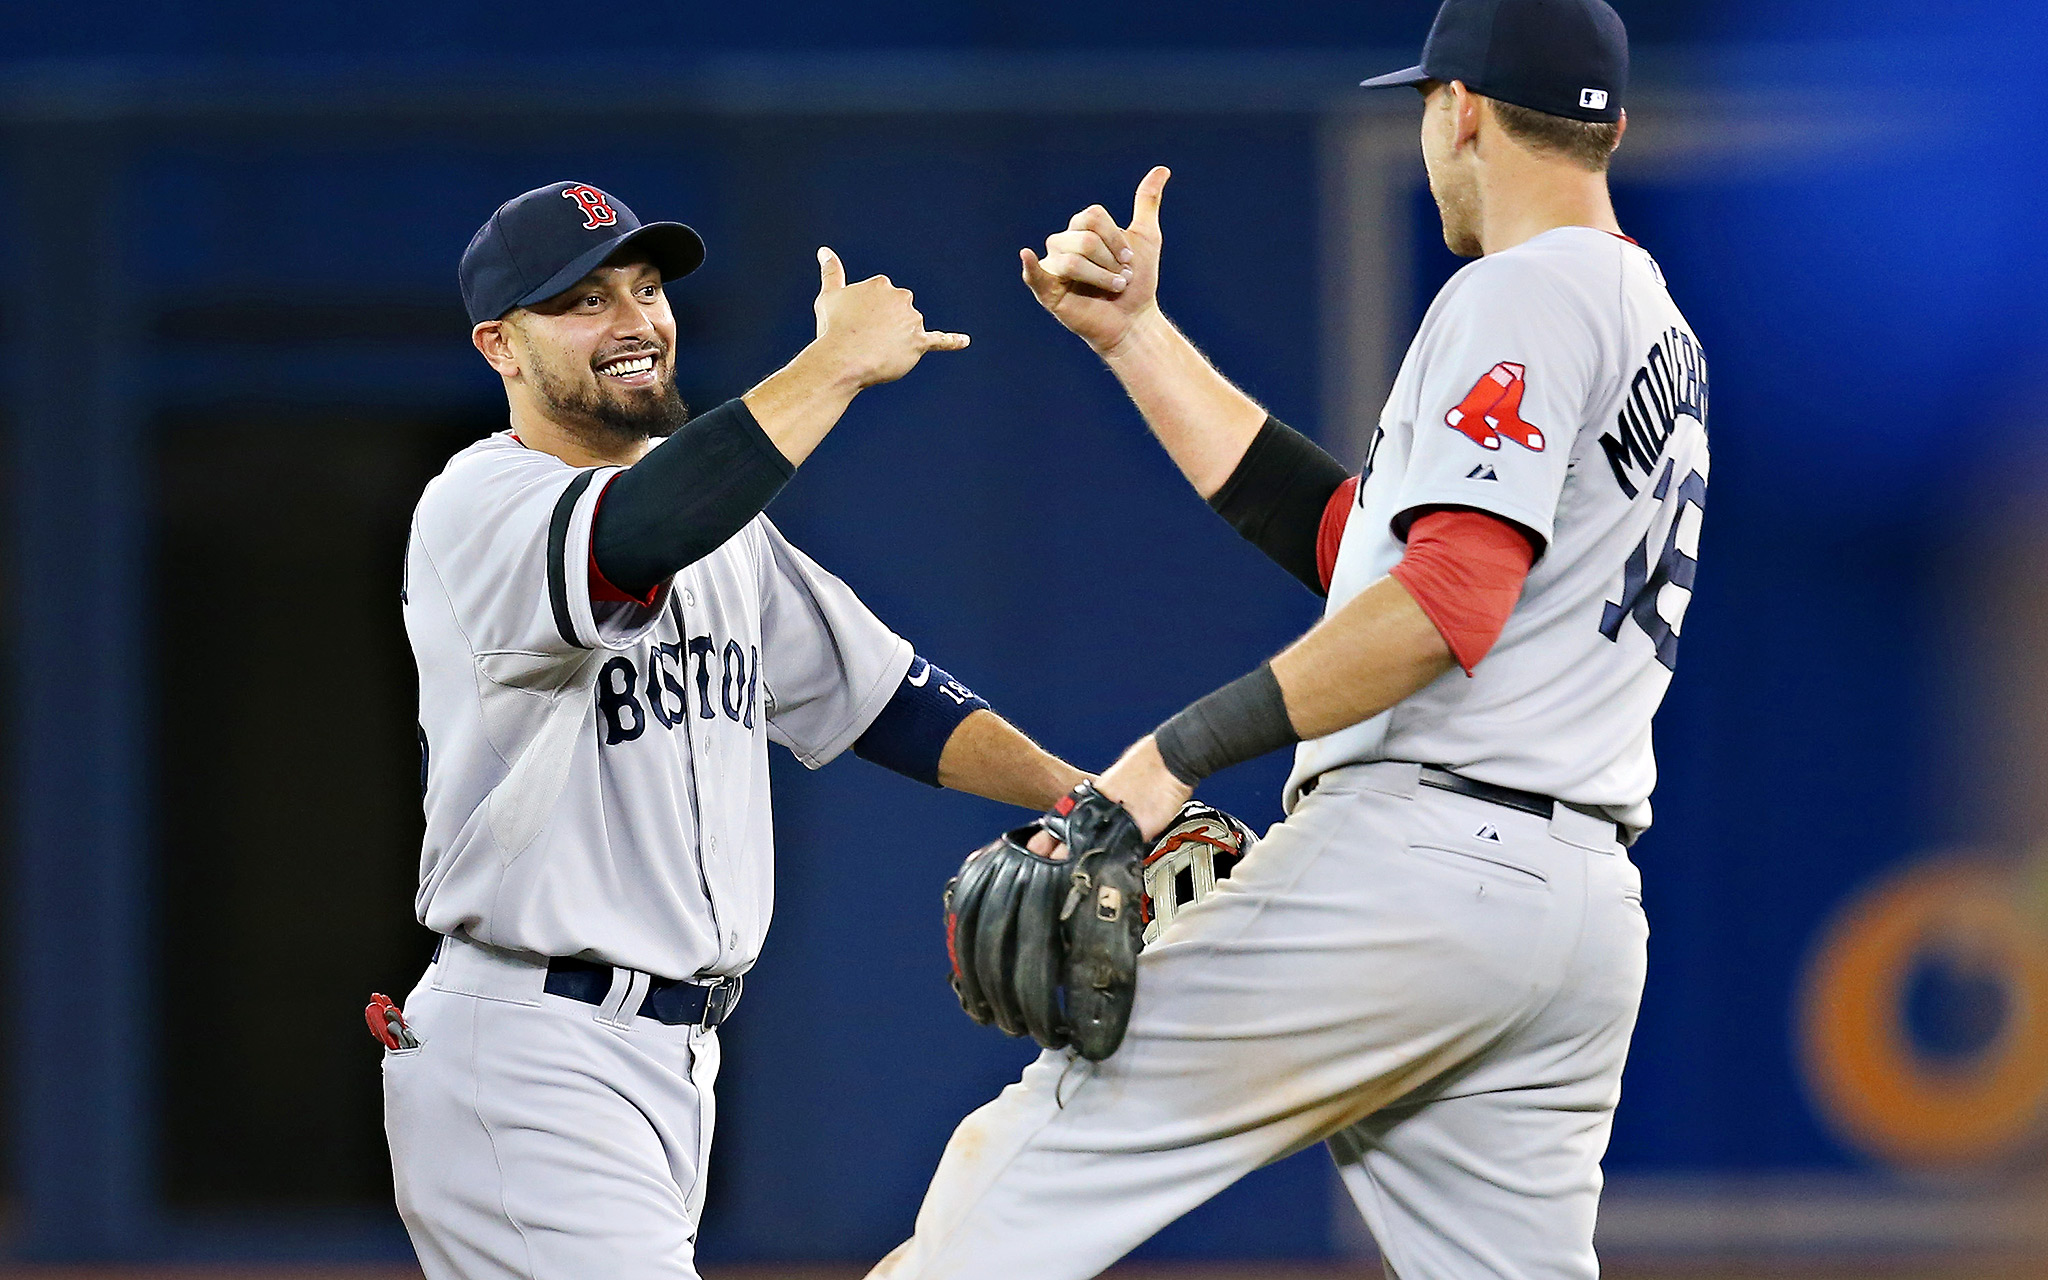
[{"x": 1593, "y": 99}]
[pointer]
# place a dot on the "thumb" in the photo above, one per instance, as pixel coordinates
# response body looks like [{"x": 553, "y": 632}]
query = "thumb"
[
  {"x": 831, "y": 272},
  {"x": 1145, "y": 205},
  {"x": 1041, "y": 281}
]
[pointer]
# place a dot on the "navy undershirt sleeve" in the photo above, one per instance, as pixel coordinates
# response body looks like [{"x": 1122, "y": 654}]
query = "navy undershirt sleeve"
[
  {"x": 912, "y": 731},
  {"x": 683, "y": 500}
]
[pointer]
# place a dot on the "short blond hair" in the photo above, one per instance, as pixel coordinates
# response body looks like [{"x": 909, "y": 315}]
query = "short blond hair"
[{"x": 1589, "y": 144}]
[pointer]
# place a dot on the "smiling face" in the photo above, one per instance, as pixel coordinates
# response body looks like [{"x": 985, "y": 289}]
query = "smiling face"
[{"x": 598, "y": 360}]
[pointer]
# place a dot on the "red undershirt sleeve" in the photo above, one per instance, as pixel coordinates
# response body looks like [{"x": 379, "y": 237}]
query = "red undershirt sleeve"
[
  {"x": 1466, "y": 570},
  {"x": 1330, "y": 533}
]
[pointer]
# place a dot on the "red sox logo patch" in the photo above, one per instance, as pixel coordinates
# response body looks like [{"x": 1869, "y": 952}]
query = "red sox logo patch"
[
  {"x": 1493, "y": 408},
  {"x": 596, "y": 205}
]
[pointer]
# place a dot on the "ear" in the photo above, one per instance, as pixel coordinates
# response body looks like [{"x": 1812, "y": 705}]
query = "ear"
[
  {"x": 493, "y": 340},
  {"x": 1465, "y": 111}
]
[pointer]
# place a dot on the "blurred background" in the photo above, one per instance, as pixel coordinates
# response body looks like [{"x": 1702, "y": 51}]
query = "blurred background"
[{"x": 234, "y": 352}]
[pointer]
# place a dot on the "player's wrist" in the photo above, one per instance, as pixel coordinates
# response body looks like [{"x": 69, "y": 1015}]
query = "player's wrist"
[
  {"x": 1242, "y": 721},
  {"x": 1144, "y": 336},
  {"x": 835, "y": 367},
  {"x": 798, "y": 405},
  {"x": 1057, "y": 778},
  {"x": 1142, "y": 783}
]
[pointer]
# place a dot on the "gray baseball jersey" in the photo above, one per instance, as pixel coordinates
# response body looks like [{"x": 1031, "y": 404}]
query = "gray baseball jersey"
[
  {"x": 596, "y": 772},
  {"x": 1554, "y": 384}
]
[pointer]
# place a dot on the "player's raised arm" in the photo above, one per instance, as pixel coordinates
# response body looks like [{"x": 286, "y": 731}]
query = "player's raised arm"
[
  {"x": 690, "y": 493},
  {"x": 868, "y": 333},
  {"x": 1269, "y": 481},
  {"x": 1101, "y": 281}
]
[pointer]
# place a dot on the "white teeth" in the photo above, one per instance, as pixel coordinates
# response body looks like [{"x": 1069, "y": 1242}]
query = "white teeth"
[{"x": 627, "y": 368}]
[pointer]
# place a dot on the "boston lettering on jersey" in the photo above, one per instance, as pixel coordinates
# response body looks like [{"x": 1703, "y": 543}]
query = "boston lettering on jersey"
[
  {"x": 628, "y": 697},
  {"x": 1670, "y": 383}
]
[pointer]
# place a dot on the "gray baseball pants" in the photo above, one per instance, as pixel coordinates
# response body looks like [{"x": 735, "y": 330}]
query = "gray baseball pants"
[
  {"x": 537, "y": 1137},
  {"x": 1441, "y": 988}
]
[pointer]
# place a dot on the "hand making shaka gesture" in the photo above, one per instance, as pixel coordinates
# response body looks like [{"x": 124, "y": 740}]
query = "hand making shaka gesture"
[{"x": 1097, "y": 278}]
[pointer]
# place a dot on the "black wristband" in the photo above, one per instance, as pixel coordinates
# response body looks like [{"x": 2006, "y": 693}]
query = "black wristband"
[
  {"x": 1276, "y": 496},
  {"x": 683, "y": 500},
  {"x": 1241, "y": 721}
]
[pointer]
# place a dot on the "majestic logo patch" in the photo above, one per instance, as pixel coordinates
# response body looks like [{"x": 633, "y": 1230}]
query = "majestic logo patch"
[
  {"x": 1493, "y": 408},
  {"x": 1483, "y": 471},
  {"x": 596, "y": 205}
]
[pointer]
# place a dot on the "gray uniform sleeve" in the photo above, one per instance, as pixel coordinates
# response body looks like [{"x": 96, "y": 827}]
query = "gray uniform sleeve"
[
  {"x": 507, "y": 531},
  {"x": 1507, "y": 376},
  {"x": 828, "y": 665}
]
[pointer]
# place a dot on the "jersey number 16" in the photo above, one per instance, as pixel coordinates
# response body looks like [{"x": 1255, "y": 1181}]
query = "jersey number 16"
[{"x": 1642, "y": 584}]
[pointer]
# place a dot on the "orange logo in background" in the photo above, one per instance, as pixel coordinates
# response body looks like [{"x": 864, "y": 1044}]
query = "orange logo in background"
[
  {"x": 1962, "y": 935},
  {"x": 1493, "y": 408}
]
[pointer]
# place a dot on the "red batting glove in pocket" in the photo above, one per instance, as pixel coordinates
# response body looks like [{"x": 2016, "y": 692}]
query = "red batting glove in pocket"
[{"x": 388, "y": 1024}]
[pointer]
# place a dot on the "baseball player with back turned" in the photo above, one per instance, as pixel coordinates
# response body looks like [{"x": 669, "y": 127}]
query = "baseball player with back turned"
[
  {"x": 609, "y": 633},
  {"x": 1434, "y": 962}
]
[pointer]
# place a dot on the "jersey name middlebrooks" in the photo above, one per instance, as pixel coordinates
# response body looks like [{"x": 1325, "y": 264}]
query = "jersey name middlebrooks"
[
  {"x": 596, "y": 772},
  {"x": 1557, "y": 386}
]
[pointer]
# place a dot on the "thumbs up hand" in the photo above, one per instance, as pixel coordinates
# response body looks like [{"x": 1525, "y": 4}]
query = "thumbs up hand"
[
  {"x": 872, "y": 326},
  {"x": 831, "y": 279},
  {"x": 1099, "y": 279}
]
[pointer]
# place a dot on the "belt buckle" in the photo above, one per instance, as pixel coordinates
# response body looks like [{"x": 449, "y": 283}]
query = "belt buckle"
[{"x": 719, "y": 1000}]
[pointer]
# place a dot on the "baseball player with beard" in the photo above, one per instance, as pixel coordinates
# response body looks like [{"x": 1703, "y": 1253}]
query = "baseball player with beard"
[
  {"x": 609, "y": 633},
  {"x": 1434, "y": 962}
]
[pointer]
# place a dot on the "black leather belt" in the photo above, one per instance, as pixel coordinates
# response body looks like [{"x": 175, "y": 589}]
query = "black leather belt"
[
  {"x": 674, "y": 1001},
  {"x": 1508, "y": 797}
]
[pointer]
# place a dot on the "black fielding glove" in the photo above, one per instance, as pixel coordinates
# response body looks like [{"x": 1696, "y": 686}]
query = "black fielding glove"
[
  {"x": 1101, "y": 920},
  {"x": 1050, "y": 948},
  {"x": 1002, "y": 938}
]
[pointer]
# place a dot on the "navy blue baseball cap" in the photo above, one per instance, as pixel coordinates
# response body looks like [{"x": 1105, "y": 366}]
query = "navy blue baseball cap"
[
  {"x": 1561, "y": 57},
  {"x": 538, "y": 244}
]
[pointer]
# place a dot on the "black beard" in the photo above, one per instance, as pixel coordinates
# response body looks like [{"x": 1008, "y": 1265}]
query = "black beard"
[{"x": 592, "y": 411}]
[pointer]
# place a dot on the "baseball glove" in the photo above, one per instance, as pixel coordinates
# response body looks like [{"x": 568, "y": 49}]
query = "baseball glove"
[
  {"x": 1203, "y": 845},
  {"x": 1049, "y": 949}
]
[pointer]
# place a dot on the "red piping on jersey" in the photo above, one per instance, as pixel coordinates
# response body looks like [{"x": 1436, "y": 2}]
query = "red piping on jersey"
[
  {"x": 1466, "y": 570},
  {"x": 601, "y": 587}
]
